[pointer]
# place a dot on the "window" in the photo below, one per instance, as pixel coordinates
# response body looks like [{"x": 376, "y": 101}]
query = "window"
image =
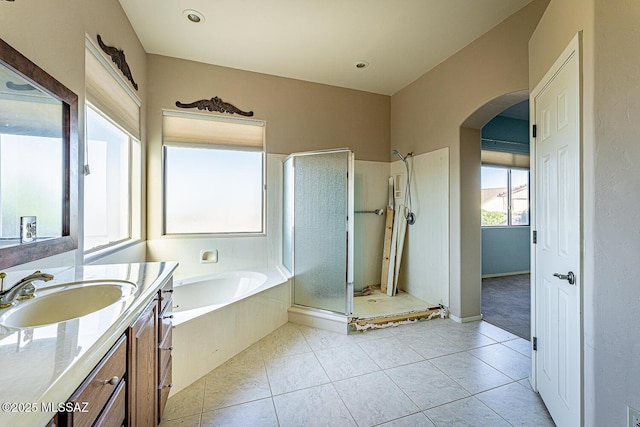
[
  {"x": 213, "y": 175},
  {"x": 113, "y": 156},
  {"x": 504, "y": 196},
  {"x": 107, "y": 188}
]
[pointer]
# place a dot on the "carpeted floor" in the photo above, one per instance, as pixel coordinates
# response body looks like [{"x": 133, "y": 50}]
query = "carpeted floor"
[{"x": 506, "y": 303}]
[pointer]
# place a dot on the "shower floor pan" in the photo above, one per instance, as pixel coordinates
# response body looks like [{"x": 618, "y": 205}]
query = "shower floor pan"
[{"x": 378, "y": 310}]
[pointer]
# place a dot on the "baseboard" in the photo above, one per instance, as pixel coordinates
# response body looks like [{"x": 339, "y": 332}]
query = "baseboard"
[
  {"x": 513, "y": 273},
  {"x": 319, "y": 319},
  {"x": 465, "y": 319}
]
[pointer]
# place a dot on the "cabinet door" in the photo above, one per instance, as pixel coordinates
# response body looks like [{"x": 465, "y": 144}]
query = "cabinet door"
[
  {"x": 143, "y": 381},
  {"x": 96, "y": 394}
]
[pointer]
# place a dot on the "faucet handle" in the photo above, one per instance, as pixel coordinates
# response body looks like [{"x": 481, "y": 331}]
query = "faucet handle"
[
  {"x": 27, "y": 292},
  {"x": 2, "y": 277}
]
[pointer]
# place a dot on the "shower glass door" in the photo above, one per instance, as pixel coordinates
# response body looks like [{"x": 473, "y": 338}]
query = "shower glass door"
[{"x": 318, "y": 248}]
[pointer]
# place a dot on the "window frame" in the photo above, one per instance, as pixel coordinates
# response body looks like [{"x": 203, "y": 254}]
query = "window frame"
[
  {"x": 509, "y": 195},
  {"x": 214, "y": 146},
  {"x": 134, "y": 208}
]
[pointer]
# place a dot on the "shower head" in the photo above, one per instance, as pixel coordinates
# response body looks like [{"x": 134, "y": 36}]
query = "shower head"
[{"x": 398, "y": 154}]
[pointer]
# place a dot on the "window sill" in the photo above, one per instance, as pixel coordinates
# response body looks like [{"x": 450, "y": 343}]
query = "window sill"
[
  {"x": 503, "y": 226},
  {"x": 110, "y": 250},
  {"x": 211, "y": 235}
]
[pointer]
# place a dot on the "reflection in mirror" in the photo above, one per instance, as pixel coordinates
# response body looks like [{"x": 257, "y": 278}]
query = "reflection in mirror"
[
  {"x": 31, "y": 160},
  {"x": 38, "y": 162}
]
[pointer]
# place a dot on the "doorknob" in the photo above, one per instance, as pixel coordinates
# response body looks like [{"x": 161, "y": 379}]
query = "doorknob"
[{"x": 570, "y": 277}]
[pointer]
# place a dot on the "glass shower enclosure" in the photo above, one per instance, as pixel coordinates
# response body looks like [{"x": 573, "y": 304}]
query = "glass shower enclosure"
[{"x": 318, "y": 228}]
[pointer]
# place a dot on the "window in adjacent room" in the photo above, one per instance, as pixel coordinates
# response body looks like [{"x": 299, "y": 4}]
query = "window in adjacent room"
[
  {"x": 504, "y": 196},
  {"x": 213, "y": 174}
]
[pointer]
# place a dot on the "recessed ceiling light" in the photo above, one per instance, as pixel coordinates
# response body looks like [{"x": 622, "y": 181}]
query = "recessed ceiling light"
[
  {"x": 193, "y": 16},
  {"x": 361, "y": 64}
]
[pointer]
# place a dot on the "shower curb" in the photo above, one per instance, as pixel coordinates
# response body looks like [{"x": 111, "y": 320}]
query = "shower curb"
[{"x": 398, "y": 319}]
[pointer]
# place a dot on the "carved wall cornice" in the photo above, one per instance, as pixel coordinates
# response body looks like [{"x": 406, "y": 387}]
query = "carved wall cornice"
[
  {"x": 215, "y": 104},
  {"x": 117, "y": 56}
]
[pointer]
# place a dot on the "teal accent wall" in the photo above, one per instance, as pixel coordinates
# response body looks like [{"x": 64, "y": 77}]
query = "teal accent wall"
[
  {"x": 501, "y": 128},
  {"x": 505, "y": 250}
]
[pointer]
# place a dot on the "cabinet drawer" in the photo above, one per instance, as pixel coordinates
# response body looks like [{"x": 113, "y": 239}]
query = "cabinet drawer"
[
  {"x": 164, "y": 353},
  {"x": 100, "y": 385},
  {"x": 164, "y": 389},
  {"x": 164, "y": 322},
  {"x": 115, "y": 411},
  {"x": 165, "y": 295}
]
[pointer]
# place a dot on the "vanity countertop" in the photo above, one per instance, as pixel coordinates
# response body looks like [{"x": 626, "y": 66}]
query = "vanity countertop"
[{"x": 44, "y": 365}]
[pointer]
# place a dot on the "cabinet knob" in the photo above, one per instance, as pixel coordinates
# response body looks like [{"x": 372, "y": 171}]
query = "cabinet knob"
[
  {"x": 112, "y": 381},
  {"x": 169, "y": 291},
  {"x": 168, "y": 317},
  {"x": 168, "y": 385},
  {"x": 168, "y": 348}
]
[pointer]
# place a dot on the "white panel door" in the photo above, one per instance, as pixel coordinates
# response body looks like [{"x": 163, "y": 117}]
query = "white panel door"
[{"x": 557, "y": 252}]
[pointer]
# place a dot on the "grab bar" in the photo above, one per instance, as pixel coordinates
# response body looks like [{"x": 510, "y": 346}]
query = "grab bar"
[{"x": 377, "y": 212}]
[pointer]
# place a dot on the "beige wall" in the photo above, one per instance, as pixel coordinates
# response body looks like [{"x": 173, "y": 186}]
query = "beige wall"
[
  {"x": 470, "y": 290},
  {"x": 612, "y": 240},
  {"x": 300, "y": 116},
  {"x": 611, "y": 154},
  {"x": 612, "y": 350},
  {"x": 52, "y": 34},
  {"x": 427, "y": 115}
]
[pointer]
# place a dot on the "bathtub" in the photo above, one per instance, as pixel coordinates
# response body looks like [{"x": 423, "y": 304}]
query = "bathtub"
[
  {"x": 197, "y": 296},
  {"x": 217, "y": 316}
]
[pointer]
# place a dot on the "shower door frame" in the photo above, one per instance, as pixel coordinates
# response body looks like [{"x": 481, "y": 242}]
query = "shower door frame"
[{"x": 349, "y": 232}]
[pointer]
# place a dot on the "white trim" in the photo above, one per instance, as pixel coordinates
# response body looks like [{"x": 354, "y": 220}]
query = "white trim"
[
  {"x": 572, "y": 49},
  {"x": 213, "y": 117},
  {"x": 90, "y": 45},
  {"x": 321, "y": 319},
  {"x": 510, "y": 273},
  {"x": 465, "y": 319}
]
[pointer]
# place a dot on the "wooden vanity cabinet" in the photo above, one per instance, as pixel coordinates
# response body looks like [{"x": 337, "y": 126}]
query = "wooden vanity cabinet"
[
  {"x": 100, "y": 399},
  {"x": 131, "y": 384},
  {"x": 143, "y": 379},
  {"x": 165, "y": 344}
]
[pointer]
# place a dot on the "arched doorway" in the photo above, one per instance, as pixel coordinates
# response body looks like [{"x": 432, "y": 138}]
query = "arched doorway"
[{"x": 471, "y": 196}]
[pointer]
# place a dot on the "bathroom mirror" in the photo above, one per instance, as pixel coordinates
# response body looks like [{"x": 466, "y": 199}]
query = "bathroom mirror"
[{"x": 38, "y": 162}]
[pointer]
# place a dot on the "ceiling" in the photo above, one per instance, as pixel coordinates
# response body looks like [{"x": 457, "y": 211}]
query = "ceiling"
[
  {"x": 518, "y": 111},
  {"x": 319, "y": 40}
]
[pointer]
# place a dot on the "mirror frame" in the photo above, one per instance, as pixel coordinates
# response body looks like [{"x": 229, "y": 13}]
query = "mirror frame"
[{"x": 27, "y": 252}]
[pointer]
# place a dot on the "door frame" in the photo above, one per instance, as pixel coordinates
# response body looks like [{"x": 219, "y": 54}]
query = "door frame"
[
  {"x": 349, "y": 232},
  {"x": 574, "y": 48}
]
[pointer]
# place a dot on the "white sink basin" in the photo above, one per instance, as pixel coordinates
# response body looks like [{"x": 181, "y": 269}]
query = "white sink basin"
[{"x": 60, "y": 303}]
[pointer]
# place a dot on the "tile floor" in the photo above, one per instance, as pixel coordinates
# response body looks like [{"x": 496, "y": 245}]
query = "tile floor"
[{"x": 431, "y": 373}]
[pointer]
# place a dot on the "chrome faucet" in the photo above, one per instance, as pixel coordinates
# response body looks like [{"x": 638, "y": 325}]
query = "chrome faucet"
[{"x": 23, "y": 289}]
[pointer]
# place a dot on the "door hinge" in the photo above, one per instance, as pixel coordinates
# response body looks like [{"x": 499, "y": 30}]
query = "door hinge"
[
  {"x": 535, "y": 237},
  {"x": 535, "y": 130},
  {"x": 534, "y": 341}
]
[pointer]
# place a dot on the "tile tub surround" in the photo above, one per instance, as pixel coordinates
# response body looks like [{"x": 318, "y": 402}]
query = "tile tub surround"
[
  {"x": 46, "y": 364},
  {"x": 204, "y": 342},
  {"x": 303, "y": 376}
]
